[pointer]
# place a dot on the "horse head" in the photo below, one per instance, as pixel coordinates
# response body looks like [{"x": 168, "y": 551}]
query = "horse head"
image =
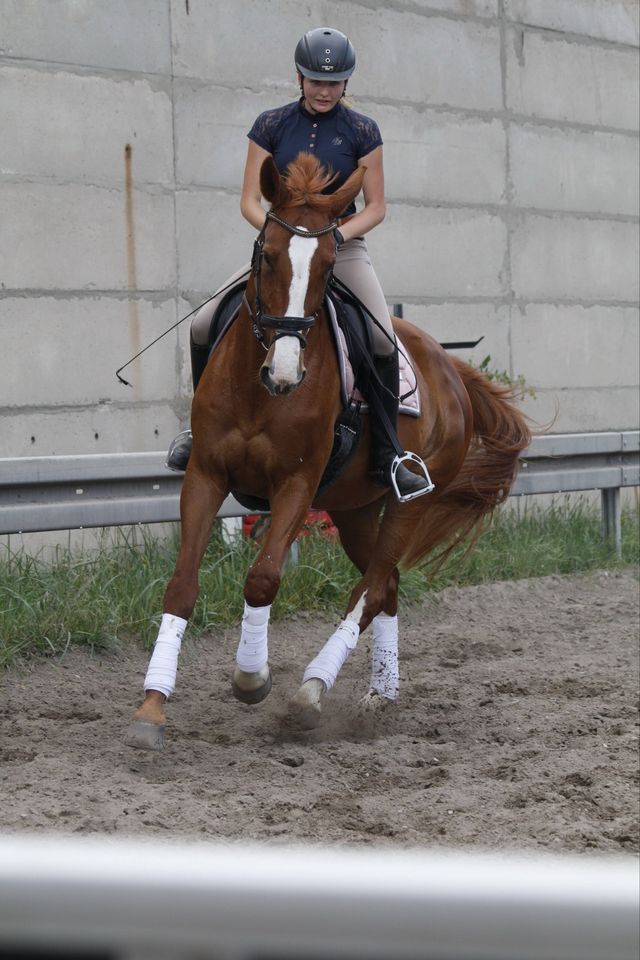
[{"x": 292, "y": 262}]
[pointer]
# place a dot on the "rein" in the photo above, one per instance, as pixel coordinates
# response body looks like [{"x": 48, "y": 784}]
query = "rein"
[{"x": 284, "y": 326}]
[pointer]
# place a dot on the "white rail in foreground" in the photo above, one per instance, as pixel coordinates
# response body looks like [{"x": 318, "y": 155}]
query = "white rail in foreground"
[{"x": 124, "y": 900}]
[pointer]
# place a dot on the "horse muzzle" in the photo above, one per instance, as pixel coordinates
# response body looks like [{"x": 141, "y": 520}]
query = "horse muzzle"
[{"x": 283, "y": 369}]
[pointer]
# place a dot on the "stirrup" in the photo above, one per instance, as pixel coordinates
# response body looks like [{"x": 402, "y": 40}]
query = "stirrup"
[{"x": 414, "y": 458}]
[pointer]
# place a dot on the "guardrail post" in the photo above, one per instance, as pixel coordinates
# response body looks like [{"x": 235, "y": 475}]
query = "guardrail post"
[{"x": 611, "y": 526}]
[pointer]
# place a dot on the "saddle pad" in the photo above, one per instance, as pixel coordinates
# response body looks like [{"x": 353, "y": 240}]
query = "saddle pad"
[{"x": 409, "y": 394}]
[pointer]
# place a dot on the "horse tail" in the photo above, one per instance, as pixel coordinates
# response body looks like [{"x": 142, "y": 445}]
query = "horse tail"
[{"x": 500, "y": 434}]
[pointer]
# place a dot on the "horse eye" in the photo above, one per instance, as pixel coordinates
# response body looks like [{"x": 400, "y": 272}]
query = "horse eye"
[{"x": 268, "y": 261}]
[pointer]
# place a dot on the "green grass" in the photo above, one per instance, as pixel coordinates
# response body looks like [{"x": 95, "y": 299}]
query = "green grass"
[{"x": 115, "y": 593}]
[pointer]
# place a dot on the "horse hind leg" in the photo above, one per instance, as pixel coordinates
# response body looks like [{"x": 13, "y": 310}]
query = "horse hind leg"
[
  {"x": 305, "y": 707},
  {"x": 358, "y": 534},
  {"x": 384, "y": 686},
  {"x": 200, "y": 501}
]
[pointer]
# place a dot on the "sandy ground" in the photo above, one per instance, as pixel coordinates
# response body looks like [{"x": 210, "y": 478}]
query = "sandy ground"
[{"x": 516, "y": 728}]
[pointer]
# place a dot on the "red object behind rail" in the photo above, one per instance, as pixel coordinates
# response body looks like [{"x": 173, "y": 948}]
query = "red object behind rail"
[{"x": 255, "y": 526}]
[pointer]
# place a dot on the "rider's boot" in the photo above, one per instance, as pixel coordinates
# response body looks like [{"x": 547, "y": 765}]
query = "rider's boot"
[
  {"x": 383, "y": 453},
  {"x": 180, "y": 448}
]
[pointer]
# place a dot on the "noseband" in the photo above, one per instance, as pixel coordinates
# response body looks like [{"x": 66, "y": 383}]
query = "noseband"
[{"x": 284, "y": 326}]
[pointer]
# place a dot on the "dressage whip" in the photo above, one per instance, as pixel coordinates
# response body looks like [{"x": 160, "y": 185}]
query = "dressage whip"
[
  {"x": 228, "y": 286},
  {"x": 144, "y": 349}
]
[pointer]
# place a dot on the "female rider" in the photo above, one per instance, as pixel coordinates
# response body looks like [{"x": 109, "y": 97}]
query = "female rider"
[{"x": 342, "y": 140}]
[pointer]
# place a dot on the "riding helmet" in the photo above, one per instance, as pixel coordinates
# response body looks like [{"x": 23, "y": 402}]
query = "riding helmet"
[{"x": 325, "y": 54}]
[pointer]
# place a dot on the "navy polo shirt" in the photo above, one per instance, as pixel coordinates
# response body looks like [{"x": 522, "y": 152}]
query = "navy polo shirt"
[{"x": 338, "y": 138}]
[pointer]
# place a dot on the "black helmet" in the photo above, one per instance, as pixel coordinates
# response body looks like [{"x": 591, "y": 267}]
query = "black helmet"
[{"x": 325, "y": 54}]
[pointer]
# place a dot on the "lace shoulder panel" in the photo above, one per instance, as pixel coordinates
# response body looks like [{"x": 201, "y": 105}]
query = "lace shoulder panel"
[
  {"x": 367, "y": 132},
  {"x": 266, "y": 125}
]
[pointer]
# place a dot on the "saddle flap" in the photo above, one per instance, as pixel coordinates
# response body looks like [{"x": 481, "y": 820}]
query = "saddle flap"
[
  {"x": 225, "y": 315},
  {"x": 409, "y": 393}
]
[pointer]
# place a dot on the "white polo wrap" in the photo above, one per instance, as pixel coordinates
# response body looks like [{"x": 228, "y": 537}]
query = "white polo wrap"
[
  {"x": 384, "y": 656},
  {"x": 163, "y": 666},
  {"x": 327, "y": 665},
  {"x": 253, "y": 649}
]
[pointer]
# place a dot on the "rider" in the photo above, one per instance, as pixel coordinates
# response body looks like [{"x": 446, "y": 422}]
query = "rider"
[{"x": 342, "y": 140}]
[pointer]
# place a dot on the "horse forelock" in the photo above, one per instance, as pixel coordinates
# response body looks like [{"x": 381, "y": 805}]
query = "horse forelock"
[{"x": 304, "y": 181}]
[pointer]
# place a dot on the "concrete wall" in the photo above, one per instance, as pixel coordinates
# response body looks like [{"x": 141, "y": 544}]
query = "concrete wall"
[{"x": 511, "y": 140}]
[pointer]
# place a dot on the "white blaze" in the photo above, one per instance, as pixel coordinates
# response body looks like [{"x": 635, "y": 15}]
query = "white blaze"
[{"x": 287, "y": 351}]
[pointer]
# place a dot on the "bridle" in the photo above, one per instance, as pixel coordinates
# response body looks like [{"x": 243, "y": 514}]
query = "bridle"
[{"x": 284, "y": 326}]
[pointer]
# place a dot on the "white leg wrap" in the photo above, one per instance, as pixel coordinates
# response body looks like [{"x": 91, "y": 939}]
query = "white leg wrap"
[
  {"x": 326, "y": 666},
  {"x": 384, "y": 669},
  {"x": 253, "y": 649},
  {"x": 161, "y": 674}
]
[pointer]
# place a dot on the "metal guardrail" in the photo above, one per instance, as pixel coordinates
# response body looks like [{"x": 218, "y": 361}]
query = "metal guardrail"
[
  {"x": 102, "y": 490},
  {"x": 580, "y": 461},
  {"x": 584, "y": 461},
  {"x": 117, "y": 900},
  {"x": 93, "y": 490}
]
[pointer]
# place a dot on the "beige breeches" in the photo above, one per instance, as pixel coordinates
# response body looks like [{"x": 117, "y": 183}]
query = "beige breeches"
[{"x": 353, "y": 267}]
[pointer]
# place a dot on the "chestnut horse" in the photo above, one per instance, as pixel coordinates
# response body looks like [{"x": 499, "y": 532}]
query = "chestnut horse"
[{"x": 263, "y": 425}]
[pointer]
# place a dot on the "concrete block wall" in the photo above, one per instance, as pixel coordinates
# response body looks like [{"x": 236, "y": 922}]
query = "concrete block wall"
[{"x": 511, "y": 153}]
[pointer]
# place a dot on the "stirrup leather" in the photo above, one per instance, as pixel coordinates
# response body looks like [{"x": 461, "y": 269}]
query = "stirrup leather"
[{"x": 414, "y": 458}]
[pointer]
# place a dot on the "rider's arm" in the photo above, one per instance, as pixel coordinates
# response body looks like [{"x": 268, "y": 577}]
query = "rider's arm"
[
  {"x": 374, "y": 208},
  {"x": 250, "y": 206}
]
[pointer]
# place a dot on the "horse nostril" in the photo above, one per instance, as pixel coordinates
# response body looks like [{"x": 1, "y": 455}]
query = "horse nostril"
[{"x": 265, "y": 377}]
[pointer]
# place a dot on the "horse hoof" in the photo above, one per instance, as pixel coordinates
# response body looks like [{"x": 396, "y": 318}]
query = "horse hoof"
[
  {"x": 251, "y": 687},
  {"x": 373, "y": 704},
  {"x": 145, "y": 736},
  {"x": 305, "y": 708}
]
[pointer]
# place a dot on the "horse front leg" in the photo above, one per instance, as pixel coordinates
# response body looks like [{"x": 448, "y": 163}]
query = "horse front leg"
[
  {"x": 200, "y": 501},
  {"x": 251, "y": 681}
]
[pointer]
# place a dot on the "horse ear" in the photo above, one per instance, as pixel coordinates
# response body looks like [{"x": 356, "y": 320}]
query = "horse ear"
[
  {"x": 347, "y": 192},
  {"x": 271, "y": 185}
]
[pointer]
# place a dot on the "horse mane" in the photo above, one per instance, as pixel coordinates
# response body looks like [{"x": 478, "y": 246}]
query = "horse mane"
[{"x": 305, "y": 179}]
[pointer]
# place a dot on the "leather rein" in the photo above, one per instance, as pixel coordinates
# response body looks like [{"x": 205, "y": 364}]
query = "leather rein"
[{"x": 284, "y": 326}]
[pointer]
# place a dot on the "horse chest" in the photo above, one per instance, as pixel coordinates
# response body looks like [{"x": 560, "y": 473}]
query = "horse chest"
[{"x": 257, "y": 459}]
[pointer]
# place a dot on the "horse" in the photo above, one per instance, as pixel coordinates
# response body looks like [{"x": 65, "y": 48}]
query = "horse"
[{"x": 263, "y": 420}]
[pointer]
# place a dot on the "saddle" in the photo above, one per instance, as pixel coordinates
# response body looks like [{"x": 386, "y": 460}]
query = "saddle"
[{"x": 352, "y": 341}]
